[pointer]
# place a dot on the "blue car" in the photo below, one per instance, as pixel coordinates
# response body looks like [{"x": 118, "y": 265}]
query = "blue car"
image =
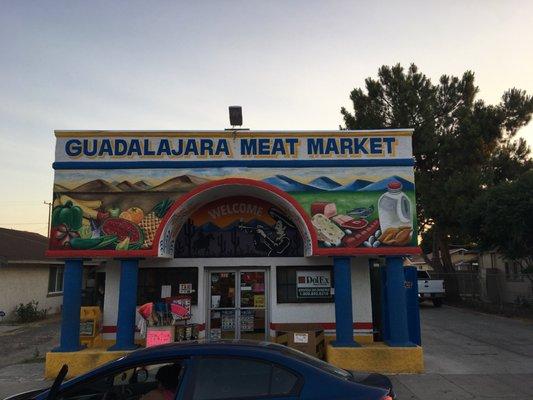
[{"x": 216, "y": 371}]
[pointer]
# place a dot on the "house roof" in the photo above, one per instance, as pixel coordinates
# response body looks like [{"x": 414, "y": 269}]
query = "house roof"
[{"x": 22, "y": 245}]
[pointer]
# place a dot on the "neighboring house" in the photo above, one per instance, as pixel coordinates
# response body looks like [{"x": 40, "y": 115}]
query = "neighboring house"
[
  {"x": 503, "y": 279},
  {"x": 465, "y": 260},
  {"x": 26, "y": 275},
  {"x": 485, "y": 275}
]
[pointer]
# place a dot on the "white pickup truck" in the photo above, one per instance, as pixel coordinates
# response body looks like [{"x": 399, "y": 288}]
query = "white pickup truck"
[{"x": 430, "y": 289}]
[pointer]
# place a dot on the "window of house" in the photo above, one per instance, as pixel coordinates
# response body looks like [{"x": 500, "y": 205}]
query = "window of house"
[
  {"x": 181, "y": 281},
  {"x": 493, "y": 260},
  {"x": 55, "y": 279},
  {"x": 304, "y": 284},
  {"x": 517, "y": 273}
]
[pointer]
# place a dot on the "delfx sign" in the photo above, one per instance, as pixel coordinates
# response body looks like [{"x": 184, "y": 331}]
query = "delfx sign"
[{"x": 313, "y": 284}]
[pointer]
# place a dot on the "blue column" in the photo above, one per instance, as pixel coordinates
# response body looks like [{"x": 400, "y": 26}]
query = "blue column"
[
  {"x": 343, "y": 303},
  {"x": 397, "y": 308},
  {"x": 127, "y": 302},
  {"x": 70, "y": 316}
]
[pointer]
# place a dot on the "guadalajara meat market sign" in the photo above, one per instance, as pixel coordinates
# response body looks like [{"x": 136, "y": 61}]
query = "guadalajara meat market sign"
[{"x": 130, "y": 193}]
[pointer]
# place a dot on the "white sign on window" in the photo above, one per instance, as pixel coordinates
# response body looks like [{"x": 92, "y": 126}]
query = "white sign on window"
[
  {"x": 313, "y": 284},
  {"x": 166, "y": 291}
]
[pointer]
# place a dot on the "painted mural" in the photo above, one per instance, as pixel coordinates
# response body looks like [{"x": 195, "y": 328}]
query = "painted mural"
[
  {"x": 122, "y": 210},
  {"x": 238, "y": 227},
  {"x": 350, "y": 206}
]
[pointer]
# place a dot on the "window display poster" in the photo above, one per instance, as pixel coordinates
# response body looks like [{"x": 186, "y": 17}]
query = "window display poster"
[
  {"x": 185, "y": 288},
  {"x": 313, "y": 284},
  {"x": 228, "y": 320},
  {"x": 247, "y": 320},
  {"x": 166, "y": 291},
  {"x": 181, "y": 308},
  {"x": 259, "y": 301},
  {"x": 215, "y": 334}
]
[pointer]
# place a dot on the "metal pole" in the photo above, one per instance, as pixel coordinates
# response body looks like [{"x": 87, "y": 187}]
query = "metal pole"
[{"x": 49, "y": 216}]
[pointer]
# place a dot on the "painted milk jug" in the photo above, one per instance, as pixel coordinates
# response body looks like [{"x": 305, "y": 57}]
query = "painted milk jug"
[{"x": 395, "y": 216}]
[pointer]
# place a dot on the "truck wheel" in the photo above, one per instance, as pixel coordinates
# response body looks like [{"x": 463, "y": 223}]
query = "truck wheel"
[{"x": 437, "y": 302}]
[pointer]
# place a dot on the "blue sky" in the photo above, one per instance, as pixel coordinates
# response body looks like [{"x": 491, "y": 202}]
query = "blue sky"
[{"x": 178, "y": 65}]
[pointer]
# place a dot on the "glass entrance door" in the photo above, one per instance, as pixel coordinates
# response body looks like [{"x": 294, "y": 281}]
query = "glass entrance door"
[{"x": 237, "y": 301}]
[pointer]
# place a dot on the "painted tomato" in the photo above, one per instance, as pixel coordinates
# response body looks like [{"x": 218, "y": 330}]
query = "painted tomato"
[{"x": 133, "y": 214}]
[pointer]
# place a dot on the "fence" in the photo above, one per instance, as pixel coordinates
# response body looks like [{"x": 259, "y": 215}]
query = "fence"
[{"x": 487, "y": 291}]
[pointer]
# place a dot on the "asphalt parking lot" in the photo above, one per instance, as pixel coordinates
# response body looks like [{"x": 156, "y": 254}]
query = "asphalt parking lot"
[{"x": 468, "y": 355}]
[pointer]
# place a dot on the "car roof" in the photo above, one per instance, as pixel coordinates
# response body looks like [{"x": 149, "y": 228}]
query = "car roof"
[{"x": 204, "y": 347}]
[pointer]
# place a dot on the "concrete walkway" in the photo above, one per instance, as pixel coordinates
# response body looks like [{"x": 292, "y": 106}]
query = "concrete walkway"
[{"x": 470, "y": 355}]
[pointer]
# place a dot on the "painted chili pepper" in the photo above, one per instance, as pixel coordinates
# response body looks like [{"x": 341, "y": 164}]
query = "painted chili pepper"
[{"x": 93, "y": 243}]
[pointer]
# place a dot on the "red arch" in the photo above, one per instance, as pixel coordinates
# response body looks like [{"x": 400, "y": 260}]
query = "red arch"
[{"x": 235, "y": 182}]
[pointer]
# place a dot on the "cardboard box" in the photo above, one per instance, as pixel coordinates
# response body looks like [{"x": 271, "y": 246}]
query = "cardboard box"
[{"x": 307, "y": 341}]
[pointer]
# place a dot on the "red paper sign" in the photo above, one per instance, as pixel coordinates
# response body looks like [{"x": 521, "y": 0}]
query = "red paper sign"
[{"x": 155, "y": 338}]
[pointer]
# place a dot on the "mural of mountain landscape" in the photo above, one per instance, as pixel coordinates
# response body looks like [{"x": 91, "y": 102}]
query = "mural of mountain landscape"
[
  {"x": 185, "y": 183},
  {"x": 324, "y": 183},
  {"x": 182, "y": 183}
]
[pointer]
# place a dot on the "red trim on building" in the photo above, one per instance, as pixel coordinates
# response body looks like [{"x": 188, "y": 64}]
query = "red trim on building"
[
  {"x": 363, "y": 251},
  {"x": 149, "y": 253},
  {"x": 109, "y": 329}
]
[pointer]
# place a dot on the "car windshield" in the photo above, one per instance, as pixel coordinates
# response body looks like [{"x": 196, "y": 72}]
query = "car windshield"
[{"x": 315, "y": 362}]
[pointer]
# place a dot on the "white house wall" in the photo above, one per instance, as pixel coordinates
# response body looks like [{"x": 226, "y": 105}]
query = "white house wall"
[{"x": 22, "y": 283}]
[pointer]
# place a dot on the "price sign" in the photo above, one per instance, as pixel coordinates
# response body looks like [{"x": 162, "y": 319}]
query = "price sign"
[{"x": 157, "y": 337}]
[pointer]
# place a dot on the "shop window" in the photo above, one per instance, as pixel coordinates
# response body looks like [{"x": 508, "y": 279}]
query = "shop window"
[
  {"x": 219, "y": 378},
  {"x": 55, "y": 279},
  {"x": 182, "y": 281},
  {"x": 304, "y": 284}
]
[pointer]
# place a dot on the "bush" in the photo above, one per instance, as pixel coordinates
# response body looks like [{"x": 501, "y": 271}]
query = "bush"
[{"x": 29, "y": 312}]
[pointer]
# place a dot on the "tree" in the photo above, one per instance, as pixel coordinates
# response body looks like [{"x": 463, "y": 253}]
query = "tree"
[
  {"x": 503, "y": 219},
  {"x": 460, "y": 144}
]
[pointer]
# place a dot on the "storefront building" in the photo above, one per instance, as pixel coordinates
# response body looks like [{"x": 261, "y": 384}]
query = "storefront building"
[{"x": 263, "y": 232}]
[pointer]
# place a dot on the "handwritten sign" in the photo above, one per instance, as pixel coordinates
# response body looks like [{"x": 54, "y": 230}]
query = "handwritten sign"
[{"x": 160, "y": 336}]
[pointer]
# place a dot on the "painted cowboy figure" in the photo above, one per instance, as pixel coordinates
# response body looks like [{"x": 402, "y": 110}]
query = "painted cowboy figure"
[{"x": 276, "y": 240}]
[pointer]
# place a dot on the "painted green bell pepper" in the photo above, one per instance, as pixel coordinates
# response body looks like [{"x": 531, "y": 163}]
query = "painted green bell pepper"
[{"x": 69, "y": 215}]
